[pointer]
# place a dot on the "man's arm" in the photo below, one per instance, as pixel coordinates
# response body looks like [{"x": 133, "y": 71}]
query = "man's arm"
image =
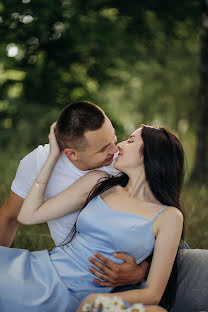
[
  {"x": 8, "y": 218},
  {"x": 25, "y": 175}
]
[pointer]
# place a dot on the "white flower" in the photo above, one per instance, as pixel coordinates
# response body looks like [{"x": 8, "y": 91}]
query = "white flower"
[
  {"x": 109, "y": 304},
  {"x": 87, "y": 307},
  {"x": 138, "y": 307},
  {"x": 117, "y": 304},
  {"x": 102, "y": 301}
]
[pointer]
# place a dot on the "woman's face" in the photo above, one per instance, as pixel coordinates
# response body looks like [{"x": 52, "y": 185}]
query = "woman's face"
[{"x": 130, "y": 152}]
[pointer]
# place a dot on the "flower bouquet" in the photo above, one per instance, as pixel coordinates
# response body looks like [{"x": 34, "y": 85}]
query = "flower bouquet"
[{"x": 109, "y": 304}]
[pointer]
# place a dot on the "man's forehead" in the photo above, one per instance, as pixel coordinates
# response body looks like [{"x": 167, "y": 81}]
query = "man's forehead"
[{"x": 100, "y": 138}]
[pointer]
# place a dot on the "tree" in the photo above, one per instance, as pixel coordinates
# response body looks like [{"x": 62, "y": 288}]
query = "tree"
[
  {"x": 200, "y": 171},
  {"x": 70, "y": 50}
]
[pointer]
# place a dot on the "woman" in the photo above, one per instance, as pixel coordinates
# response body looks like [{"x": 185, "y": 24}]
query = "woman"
[{"x": 130, "y": 216}]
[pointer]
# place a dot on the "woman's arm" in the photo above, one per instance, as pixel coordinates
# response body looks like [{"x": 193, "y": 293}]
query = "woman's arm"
[
  {"x": 166, "y": 245},
  {"x": 34, "y": 210}
]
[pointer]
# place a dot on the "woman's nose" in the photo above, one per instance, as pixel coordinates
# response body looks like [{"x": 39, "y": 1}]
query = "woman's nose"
[{"x": 119, "y": 145}]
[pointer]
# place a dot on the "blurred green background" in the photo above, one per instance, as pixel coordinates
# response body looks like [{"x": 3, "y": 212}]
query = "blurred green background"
[{"x": 141, "y": 61}]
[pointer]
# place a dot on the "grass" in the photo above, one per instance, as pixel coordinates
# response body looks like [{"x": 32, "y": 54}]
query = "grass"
[
  {"x": 195, "y": 205},
  {"x": 37, "y": 237}
]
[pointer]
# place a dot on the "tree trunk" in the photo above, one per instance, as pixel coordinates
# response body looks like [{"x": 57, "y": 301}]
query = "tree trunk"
[{"x": 200, "y": 170}]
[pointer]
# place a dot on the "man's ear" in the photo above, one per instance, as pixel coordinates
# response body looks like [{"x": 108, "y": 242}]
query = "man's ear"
[{"x": 71, "y": 154}]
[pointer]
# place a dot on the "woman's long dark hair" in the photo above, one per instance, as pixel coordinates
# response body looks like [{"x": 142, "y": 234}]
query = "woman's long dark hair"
[{"x": 164, "y": 170}]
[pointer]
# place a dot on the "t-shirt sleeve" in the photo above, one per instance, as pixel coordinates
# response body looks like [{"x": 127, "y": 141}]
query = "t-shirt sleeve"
[{"x": 27, "y": 171}]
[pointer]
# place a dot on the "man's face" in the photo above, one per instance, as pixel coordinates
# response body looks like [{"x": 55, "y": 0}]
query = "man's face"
[{"x": 100, "y": 147}]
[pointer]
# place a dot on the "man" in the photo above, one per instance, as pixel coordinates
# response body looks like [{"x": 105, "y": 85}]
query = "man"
[{"x": 87, "y": 139}]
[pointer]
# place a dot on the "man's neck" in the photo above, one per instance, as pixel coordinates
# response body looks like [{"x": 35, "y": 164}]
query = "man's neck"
[{"x": 78, "y": 165}]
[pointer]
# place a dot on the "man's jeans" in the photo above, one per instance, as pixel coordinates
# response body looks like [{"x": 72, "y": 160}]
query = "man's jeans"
[{"x": 192, "y": 292}]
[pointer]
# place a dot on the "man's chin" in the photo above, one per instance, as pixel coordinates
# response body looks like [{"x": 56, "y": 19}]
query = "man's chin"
[{"x": 108, "y": 162}]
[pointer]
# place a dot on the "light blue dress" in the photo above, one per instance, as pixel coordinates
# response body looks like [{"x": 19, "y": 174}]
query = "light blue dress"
[{"x": 59, "y": 280}]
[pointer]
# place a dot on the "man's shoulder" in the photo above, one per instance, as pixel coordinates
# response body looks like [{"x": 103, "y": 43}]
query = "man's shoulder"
[
  {"x": 41, "y": 150},
  {"x": 28, "y": 170},
  {"x": 38, "y": 155}
]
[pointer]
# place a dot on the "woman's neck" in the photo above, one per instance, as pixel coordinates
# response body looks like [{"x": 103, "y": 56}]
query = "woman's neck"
[{"x": 138, "y": 187}]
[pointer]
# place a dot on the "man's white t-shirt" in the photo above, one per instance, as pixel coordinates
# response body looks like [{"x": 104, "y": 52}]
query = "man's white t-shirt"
[{"x": 63, "y": 175}]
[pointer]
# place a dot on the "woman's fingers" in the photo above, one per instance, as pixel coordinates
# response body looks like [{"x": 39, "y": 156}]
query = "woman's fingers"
[
  {"x": 54, "y": 147},
  {"x": 52, "y": 129}
]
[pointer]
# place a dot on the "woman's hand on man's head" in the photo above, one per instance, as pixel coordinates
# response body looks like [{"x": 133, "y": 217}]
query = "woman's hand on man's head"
[{"x": 54, "y": 147}]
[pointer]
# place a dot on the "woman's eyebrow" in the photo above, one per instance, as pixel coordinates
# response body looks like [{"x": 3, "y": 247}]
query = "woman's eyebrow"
[{"x": 132, "y": 136}]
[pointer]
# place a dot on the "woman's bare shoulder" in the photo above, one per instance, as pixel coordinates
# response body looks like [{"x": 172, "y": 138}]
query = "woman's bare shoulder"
[
  {"x": 174, "y": 211},
  {"x": 173, "y": 215}
]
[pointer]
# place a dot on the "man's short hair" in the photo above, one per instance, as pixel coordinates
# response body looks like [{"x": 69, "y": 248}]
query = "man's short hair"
[{"x": 74, "y": 120}]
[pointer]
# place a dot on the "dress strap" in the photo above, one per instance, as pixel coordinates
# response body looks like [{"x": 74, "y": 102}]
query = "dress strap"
[{"x": 159, "y": 212}]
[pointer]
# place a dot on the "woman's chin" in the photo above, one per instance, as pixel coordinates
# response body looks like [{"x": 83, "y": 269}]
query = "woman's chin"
[{"x": 116, "y": 166}]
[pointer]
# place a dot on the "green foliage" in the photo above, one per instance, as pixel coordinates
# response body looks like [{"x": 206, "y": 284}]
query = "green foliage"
[
  {"x": 195, "y": 203},
  {"x": 9, "y": 161},
  {"x": 72, "y": 50}
]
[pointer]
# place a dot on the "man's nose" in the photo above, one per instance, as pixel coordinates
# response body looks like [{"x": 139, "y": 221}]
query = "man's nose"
[
  {"x": 119, "y": 146},
  {"x": 114, "y": 149}
]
